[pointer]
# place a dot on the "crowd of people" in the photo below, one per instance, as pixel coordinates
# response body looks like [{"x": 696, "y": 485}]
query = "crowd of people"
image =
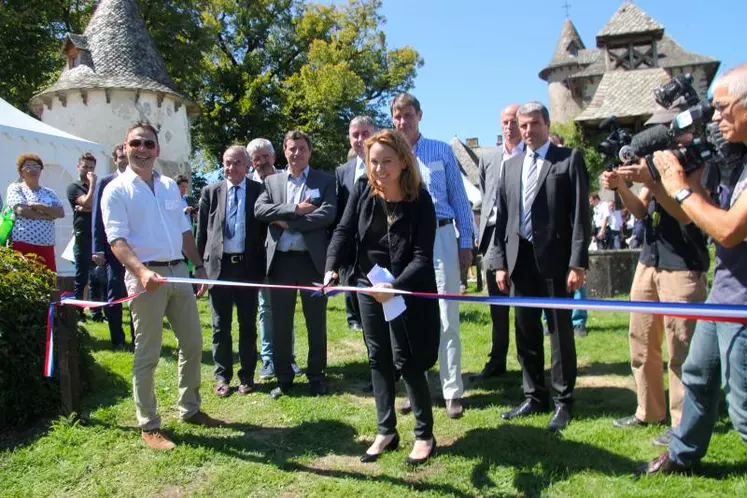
[{"x": 396, "y": 216}]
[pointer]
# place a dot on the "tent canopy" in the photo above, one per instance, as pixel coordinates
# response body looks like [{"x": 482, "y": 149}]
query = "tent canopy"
[{"x": 59, "y": 150}]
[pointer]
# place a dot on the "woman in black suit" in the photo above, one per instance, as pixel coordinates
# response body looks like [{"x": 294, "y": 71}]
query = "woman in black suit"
[{"x": 390, "y": 220}]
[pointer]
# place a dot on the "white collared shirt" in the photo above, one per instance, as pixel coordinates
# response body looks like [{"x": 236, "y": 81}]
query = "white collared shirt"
[
  {"x": 506, "y": 156},
  {"x": 360, "y": 169},
  {"x": 292, "y": 240},
  {"x": 235, "y": 245},
  {"x": 151, "y": 221},
  {"x": 541, "y": 163}
]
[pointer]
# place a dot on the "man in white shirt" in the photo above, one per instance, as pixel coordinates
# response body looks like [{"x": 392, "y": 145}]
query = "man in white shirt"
[
  {"x": 613, "y": 227},
  {"x": 147, "y": 231}
]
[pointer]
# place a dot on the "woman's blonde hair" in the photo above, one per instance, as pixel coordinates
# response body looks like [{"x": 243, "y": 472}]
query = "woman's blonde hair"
[{"x": 409, "y": 180}]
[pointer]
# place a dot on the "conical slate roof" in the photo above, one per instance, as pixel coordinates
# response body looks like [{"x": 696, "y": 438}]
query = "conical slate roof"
[
  {"x": 568, "y": 37},
  {"x": 116, "y": 52},
  {"x": 569, "y": 51},
  {"x": 629, "y": 19}
]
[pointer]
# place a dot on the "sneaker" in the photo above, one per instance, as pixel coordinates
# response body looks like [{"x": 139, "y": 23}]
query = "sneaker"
[
  {"x": 663, "y": 464},
  {"x": 296, "y": 369},
  {"x": 664, "y": 439},
  {"x": 631, "y": 421},
  {"x": 580, "y": 331},
  {"x": 157, "y": 440},
  {"x": 268, "y": 370}
]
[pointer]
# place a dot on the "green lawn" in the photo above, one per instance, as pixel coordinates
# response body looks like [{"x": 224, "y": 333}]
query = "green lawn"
[{"x": 305, "y": 446}]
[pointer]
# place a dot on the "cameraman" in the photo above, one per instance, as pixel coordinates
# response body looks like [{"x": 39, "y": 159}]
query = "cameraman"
[
  {"x": 718, "y": 349},
  {"x": 672, "y": 267}
]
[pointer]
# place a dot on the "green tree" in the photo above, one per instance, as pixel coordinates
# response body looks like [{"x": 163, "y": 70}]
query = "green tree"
[{"x": 573, "y": 137}]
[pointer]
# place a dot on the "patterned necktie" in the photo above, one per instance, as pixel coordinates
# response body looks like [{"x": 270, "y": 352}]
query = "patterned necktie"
[
  {"x": 233, "y": 212},
  {"x": 530, "y": 190}
]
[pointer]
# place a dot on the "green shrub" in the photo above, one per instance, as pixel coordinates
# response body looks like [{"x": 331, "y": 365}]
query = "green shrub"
[{"x": 25, "y": 287}]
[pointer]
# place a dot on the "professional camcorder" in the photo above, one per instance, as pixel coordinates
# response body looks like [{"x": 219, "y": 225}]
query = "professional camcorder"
[{"x": 610, "y": 147}]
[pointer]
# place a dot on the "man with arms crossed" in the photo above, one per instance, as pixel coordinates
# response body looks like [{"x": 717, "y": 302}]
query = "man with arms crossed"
[{"x": 147, "y": 231}]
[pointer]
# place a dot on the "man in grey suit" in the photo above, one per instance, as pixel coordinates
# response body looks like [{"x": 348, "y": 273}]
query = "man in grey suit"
[
  {"x": 541, "y": 243},
  {"x": 361, "y": 128},
  {"x": 229, "y": 240},
  {"x": 491, "y": 165},
  {"x": 300, "y": 206}
]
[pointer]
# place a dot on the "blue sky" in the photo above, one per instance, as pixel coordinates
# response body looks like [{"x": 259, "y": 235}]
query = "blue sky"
[{"x": 481, "y": 55}]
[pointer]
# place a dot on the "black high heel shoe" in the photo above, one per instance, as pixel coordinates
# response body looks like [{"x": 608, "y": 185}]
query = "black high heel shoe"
[
  {"x": 391, "y": 446},
  {"x": 419, "y": 461}
]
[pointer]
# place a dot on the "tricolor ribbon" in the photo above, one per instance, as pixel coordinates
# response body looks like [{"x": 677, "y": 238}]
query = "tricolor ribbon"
[{"x": 693, "y": 311}]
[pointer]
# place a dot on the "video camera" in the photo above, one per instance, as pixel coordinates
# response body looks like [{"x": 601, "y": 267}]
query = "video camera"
[{"x": 611, "y": 146}]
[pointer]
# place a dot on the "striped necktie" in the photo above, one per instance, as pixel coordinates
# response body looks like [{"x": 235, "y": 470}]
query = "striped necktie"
[
  {"x": 530, "y": 190},
  {"x": 233, "y": 212}
]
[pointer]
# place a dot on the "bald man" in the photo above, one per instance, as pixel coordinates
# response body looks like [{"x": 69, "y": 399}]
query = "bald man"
[{"x": 490, "y": 167}]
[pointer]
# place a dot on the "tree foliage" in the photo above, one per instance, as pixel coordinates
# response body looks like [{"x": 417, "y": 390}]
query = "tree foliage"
[
  {"x": 574, "y": 138},
  {"x": 256, "y": 68}
]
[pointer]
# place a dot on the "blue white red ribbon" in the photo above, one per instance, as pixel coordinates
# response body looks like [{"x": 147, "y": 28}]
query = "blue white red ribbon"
[{"x": 692, "y": 311}]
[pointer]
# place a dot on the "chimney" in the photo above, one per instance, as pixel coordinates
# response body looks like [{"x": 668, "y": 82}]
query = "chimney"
[{"x": 473, "y": 143}]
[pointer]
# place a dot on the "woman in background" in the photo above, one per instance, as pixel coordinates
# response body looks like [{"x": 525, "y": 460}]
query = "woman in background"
[
  {"x": 390, "y": 221},
  {"x": 36, "y": 208}
]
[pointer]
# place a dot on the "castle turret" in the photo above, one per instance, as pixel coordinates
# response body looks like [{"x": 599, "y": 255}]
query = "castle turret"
[{"x": 114, "y": 77}]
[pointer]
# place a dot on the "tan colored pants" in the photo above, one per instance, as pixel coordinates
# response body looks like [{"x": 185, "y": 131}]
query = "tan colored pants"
[
  {"x": 177, "y": 302},
  {"x": 646, "y": 331}
]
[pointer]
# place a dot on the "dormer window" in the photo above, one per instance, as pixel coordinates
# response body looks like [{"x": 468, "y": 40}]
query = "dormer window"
[
  {"x": 73, "y": 58},
  {"x": 573, "y": 49}
]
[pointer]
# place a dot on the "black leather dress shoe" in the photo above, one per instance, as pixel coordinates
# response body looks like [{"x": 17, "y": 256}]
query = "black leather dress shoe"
[
  {"x": 419, "y": 461},
  {"x": 391, "y": 446},
  {"x": 491, "y": 370},
  {"x": 279, "y": 391},
  {"x": 560, "y": 419},
  {"x": 528, "y": 407}
]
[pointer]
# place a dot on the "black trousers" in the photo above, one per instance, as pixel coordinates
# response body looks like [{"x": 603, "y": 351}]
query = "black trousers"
[
  {"x": 351, "y": 301},
  {"x": 82, "y": 251},
  {"x": 499, "y": 317},
  {"x": 115, "y": 289},
  {"x": 222, "y": 300},
  {"x": 388, "y": 352},
  {"x": 297, "y": 268},
  {"x": 526, "y": 281}
]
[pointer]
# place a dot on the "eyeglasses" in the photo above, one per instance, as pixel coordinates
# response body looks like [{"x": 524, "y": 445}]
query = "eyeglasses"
[
  {"x": 31, "y": 168},
  {"x": 148, "y": 144}
]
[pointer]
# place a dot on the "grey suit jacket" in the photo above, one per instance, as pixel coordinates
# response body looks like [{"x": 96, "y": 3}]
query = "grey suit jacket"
[
  {"x": 560, "y": 214},
  {"x": 490, "y": 175},
  {"x": 211, "y": 222},
  {"x": 344, "y": 180},
  {"x": 272, "y": 206}
]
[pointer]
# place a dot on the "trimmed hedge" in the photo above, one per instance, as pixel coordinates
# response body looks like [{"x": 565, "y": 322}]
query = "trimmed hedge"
[{"x": 25, "y": 287}]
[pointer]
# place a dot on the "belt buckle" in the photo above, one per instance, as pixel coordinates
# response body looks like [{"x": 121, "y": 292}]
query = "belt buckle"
[{"x": 235, "y": 258}]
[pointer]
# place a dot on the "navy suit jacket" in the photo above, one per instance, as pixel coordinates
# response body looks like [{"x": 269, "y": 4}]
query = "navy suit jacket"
[{"x": 100, "y": 244}]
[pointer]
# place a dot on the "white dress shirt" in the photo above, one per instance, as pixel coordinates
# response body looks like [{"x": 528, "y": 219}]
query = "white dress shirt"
[
  {"x": 541, "y": 163},
  {"x": 614, "y": 222},
  {"x": 292, "y": 240},
  {"x": 151, "y": 221},
  {"x": 506, "y": 156},
  {"x": 360, "y": 169},
  {"x": 235, "y": 245}
]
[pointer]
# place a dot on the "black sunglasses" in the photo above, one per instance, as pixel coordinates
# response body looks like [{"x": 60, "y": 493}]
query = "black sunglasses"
[{"x": 148, "y": 144}]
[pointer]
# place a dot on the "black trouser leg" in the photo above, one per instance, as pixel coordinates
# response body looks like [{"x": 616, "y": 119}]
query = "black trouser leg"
[
  {"x": 115, "y": 289},
  {"x": 562, "y": 346},
  {"x": 352, "y": 311},
  {"x": 97, "y": 288},
  {"x": 526, "y": 281},
  {"x": 82, "y": 254},
  {"x": 246, "y": 309},
  {"x": 315, "y": 313},
  {"x": 221, "y": 307},
  {"x": 499, "y": 318},
  {"x": 388, "y": 351}
]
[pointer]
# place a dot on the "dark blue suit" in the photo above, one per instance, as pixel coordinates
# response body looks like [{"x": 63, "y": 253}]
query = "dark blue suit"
[{"x": 114, "y": 269}]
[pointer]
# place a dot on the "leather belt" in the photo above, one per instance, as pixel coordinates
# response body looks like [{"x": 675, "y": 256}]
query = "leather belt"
[
  {"x": 445, "y": 221},
  {"x": 171, "y": 263},
  {"x": 233, "y": 258}
]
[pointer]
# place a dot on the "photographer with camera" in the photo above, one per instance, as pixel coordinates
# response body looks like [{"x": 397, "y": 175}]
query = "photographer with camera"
[
  {"x": 672, "y": 267},
  {"x": 718, "y": 349}
]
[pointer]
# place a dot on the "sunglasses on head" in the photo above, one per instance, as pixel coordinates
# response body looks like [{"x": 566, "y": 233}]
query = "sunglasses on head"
[{"x": 148, "y": 144}]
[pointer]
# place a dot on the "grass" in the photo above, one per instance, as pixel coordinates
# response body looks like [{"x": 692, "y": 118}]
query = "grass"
[{"x": 306, "y": 446}]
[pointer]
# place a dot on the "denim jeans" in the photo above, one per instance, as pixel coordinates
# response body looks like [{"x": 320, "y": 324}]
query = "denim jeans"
[
  {"x": 718, "y": 354},
  {"x": 265, "y": 327}
]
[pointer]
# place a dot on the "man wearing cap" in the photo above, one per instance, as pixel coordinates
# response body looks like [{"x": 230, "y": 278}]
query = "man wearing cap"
[{"x": 672, "y": 267}]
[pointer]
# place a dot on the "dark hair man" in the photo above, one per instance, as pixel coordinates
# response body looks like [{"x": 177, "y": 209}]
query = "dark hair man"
[
  {"x": 541, "y": 244},
  {"x": 718, "y": 349}
]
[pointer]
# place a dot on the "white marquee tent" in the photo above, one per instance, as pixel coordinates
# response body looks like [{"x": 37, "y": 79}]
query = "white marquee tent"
[{"x": 59, "y": 150}]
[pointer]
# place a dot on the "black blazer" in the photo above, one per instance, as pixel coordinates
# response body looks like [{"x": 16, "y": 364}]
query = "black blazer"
[
  {"x": 411, "y": 254},
  {"x": 211, "y": 222},
  {"x": 560, "y": 214}
]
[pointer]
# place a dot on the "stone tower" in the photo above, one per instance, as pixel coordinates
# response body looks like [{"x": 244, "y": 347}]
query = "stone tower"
[
  {"x": 114, "y": 77},
  {"x": 564, "y": 105}
]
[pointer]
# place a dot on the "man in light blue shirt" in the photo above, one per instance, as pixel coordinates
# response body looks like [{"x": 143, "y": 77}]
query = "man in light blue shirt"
[{"x": 443, "y": 179}]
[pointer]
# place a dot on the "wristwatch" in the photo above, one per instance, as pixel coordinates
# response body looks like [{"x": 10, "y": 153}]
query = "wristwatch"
[{"x": 682, "y": 194}]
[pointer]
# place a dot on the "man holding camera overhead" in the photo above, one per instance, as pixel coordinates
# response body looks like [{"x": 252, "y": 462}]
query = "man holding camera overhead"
[
  {"x": 672, "y": 267},
  {"x": 718, "y": 349}
]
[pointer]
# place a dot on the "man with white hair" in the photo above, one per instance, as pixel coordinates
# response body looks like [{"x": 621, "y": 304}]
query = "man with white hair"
[
  {"x": 541, "y": 247},
  {"x": 230, "y": 241},
  {"x": 718, "y": 349}
]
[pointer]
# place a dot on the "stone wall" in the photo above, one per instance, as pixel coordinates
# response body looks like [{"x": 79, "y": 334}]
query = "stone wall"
[{"x": 611, "y": 272}]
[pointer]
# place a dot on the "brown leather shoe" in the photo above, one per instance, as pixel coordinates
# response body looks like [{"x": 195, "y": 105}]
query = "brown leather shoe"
[
  {"x": 222, "y": 389},
  {"x": 246, "y": 388},
  {"x": 157, "y": 440},
  {"x": 202, "y": 418},
  {"x": 454, "y": 408},
  {"x": 662, "y": 464}
]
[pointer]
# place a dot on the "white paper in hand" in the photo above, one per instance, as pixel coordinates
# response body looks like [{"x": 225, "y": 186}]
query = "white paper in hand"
[{"x": 396, "y": 305}]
